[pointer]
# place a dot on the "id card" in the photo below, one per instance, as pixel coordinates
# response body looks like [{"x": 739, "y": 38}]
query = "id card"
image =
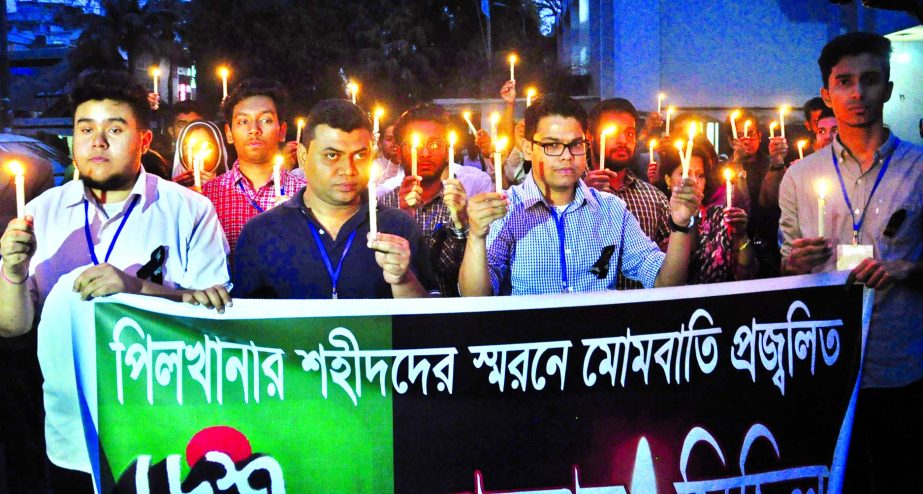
[{"x": 849, "y": 256}]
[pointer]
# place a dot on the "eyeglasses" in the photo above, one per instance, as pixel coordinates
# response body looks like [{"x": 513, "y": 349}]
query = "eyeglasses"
[
  {"x": 432, "y": 144},
  {"x": 576, "y": 148}
]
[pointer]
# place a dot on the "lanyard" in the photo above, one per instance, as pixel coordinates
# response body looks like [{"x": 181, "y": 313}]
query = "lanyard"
[
  {"x": 253, "y": 203},
  {"x": 559, "y": 223},
  {"x": 857, "y": 225},
  {"x": 334, "y": 275},
  {"x": 118, "y": 231}
]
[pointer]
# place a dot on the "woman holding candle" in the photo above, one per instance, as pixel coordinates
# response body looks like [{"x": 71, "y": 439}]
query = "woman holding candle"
[
  {"x": 189, "y": 142},
  {"x": 721, "y": 250}
]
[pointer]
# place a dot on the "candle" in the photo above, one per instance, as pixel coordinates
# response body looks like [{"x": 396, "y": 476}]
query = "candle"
[
  {"x": 299, "y": 126},
  {"x": 821, "y": 206},
  {"x": 76, "y": 172},
  {"x": 801, "y": 144},
  {"x": 277, "y": 174},
  {"x": 494, "y": 121},
  {"x": 373, "y": 200},
  {"x": 17, "y": 170},
  {"x": 693, "y": 129},
  {"x": 376, "y": 120},
  {"x": 198, "y": 162},
  {"x": 512, "y": 60},
  {"x": 747, "y": 125},
  {"x": 190, "y": 150},
  {"x": 782, "y": 111},
  {"x": 453, "y": 138},
  {"x": 734, "y": 115},
  {"x": 729, "y": 188},
  {"x": 772, "y": 128},
  {"x": 498, "y": 165},
  {"x": 467, "y": 116},
  {"x": 353, "y": 90},
  {"x": 612, "y": 129},
  {"x": 414, "y": 144},
  {"x": 660, "y": 98},
  {"x": 155, "y": 73},
  {"x": 530, "y": 93},
  {"x": 223, "y": 72},
  {"x": 651, "y": 145},
  {"x": 680, "y": 145},
  {"x": 670, "y": 112}
]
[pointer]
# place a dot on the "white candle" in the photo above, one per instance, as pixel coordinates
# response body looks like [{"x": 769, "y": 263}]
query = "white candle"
[
  {"x": 20, "y": 182},
  {"x": 734, "y": 115},
  {"x": 494, "y": 121},
  {"x": 277, "y": 174},
  {"x": 299, "y": 126},
  {"x": 747, "y": 128},
  {"x": 729, "y": 188},
  {"x": 373, "y": 200},
  {"x": 530, "y": 93},
  {"x": 197, "y": 172},
  {"x": 512, "y": 65},
  {"x": 498, "y": 165},
  {"x": 353, "y": 89},
  {"x": 693, "y": 129},
  {"x": 801, "y": 144},
  {"x": 224, "y": 72},
  {"x": 772, "y": 129},
  {"x": 602, "y": 144},
  {"x": 782, "y": 111},
  {"x": 414, "y": 144},
  {"x": 660, "y": 98},
  {"x": 821, "y": 206},
  {"x": 651, "y": 146},
  {"x": 76, "y": 172},
  {"x": 155, "y": 73},
  {"x": 670, "y": 111},
  {"x": 376, "y": 120},
  {"x": 680, "y": 146},
  {"x": 467, "y": 116},
  {"x": 453, "y": 138}
]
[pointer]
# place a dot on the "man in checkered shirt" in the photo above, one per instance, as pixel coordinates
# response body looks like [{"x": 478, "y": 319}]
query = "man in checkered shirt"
[{"x": 553, "y": 234}]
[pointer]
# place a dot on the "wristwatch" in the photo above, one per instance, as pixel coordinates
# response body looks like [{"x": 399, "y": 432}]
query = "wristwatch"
[{"x": 682, "y": 229}]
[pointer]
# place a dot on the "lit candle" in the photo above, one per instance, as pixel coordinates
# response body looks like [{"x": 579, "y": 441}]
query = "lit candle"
[
  {"x": 376, "y": 120},
  {"x": 190, "y": 151},
  {"x": 693, "y": 129},
  {"x": 498, "y": 165},
  {"x": 670, "y": 112},
  {"x": 782, "y": 111},
  {"x": 801, "y": 144},
  {"x": 155, "y": 73},
  {"x": 772, "y": 128},
  {"x": 17, "y": 170},
  {"x": 198, "y": 163},
  {"x": 76, "y": 172},
  {"x": 729, "y": 188},
  {"x": 512, "y": 60},
  {"x": 747, "y": 125},
  {"x": 821, "y": 206},
  {"x": 651, "y": 145},
  {"x": 414, "y": 144},
  {"x": 530, "y": 93},
  {"x": 277, "y": 174},
  {"x": 467, "y": 116},
  {"x": 602, "y": 144},
  {"x": 453, "y": 138},
  {"x": 494, "y": 121},
  {"x": 660, "y": 98},
  {"x": 353, "y": 90},
  {"x": 224, "y": 72},
  {"x": 299, "y": 126},
  {"x": 373, "y": 200},
  {"x": 734, "y": 115},
  {"x": 680, "y": 146}
]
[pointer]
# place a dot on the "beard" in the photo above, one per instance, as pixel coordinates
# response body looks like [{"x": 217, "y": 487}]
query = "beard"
[
  {"x": 114, "y": 182},
  {"x": 619, "y": 165}
]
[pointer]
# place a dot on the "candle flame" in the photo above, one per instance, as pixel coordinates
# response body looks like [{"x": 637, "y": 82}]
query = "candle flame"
[
  {"x": 608, "y": 131},
  {"x": 802, "y": 143},
  {"x": 300, "y": 122},
  {"x": 453, "y": 138},
  {"x": 223, "y": 72},
  {"x": 671, "y": 109},
  {"x": 513, "y": 58},
  {"x": 530, "y": 92},
  {"x": 466, "y": 115},
  {"x": 728, "y": 174},
  {"x": 821, "y": 188},
  {"x": 501, "y": 143},
  {"x": 495, "y": 117},
  {"x": 784, "y": 109},
  {"x": 379, "y": 112},
  {"x": 653, "y": 143},
  {"x": 15, "y": 167},
  {"x": 279, "y": 159},
  {"x": 155, "y": 71},
  {"x": 679, "y": 145},
  {"x": 661, "y": 96},
  {"x": 735, "y": 114},
  {"x": 773, "y": 125},
  {"x": 415, "y": 140},
  {"x": 693, "y": 129},
  {"x": 353, "y": 87}
]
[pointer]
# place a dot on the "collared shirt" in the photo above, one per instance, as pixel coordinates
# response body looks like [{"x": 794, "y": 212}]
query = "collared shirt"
[
  {"x": 445, "y": 249},
  {"x": 277, "y": 256},
  {"x": 894, "y": 353},
  {"x": 652, "y": 210},
  {"x": 524, "y": 249},
  {"x": 473, "y": 180},
  {"x": 167, "y": 214},
  {"x": 235, "y": 206}
]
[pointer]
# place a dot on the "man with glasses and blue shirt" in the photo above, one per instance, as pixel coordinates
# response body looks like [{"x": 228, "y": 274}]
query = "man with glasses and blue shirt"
[{"x": 553, "y": 234}]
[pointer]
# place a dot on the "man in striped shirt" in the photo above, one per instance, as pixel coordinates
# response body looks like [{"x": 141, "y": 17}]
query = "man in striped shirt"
[
  {"x": 644, "y": 201},
  {"x": 553, "y": 234}
]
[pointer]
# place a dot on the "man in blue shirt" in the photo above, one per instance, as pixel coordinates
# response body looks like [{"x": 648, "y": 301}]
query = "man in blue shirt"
[
  {"x": 553, "y": 234},
  {"x": 312, "y": 245}
]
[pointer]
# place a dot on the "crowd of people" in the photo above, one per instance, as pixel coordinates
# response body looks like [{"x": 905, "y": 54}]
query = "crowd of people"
[{"x": 572, "y": 216}]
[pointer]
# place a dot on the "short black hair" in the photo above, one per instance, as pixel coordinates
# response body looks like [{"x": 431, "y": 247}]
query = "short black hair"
[
  {"x": 826, "y": 112},
  {"x": 113, "y": 85},
  {"x": 188, "y": 106},
  {"x": 812, "y": 105},
  {"x": 852, "y": 44},
  {"x": 553, "y": 104},
  {"x": 424, "y": 112},
  {"x": 611, "y": 105},
  {"x": 336, "y": 113},
  {"x": 269, "y": 88},
  {"x": 701, "y": 147}
]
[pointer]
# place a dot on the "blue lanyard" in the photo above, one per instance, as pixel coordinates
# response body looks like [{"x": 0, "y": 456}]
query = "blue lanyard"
[
  {"x": 253, "y": 203},
  {"x": 89, "y": 236},
  {"x": 857, "y": 225},
  {"x": 334, "y": 275},
  {"x": 559, "y": 223}
]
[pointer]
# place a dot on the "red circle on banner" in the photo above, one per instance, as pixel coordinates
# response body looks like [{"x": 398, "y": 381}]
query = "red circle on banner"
[{"x": 222, "y": 438}]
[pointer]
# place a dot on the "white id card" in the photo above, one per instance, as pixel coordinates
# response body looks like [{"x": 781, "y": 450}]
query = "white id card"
[{"x": 849, "y": 256}]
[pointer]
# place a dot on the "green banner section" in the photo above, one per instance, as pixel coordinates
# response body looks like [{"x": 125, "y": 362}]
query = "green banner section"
[{"x": 163, "y": 379}]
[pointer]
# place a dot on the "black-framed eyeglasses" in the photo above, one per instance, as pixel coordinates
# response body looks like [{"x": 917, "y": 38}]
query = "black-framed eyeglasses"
[
  {"x": 576, "y": 148},
  {"x": 433, "y": 144}
]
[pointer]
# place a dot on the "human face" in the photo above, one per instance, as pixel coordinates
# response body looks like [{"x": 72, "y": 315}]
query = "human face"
[
  {"x": 811, "y": 124},
  {"x": 825, "y": 133},
  {"x": 255, "y": 130},
  {"x": 857, "y": 90},
  {"x": 433, "y": 153},
  {"x": 181, "y": 120},
  {"x": 751, "y": 141},
  {"x": 193, "y": 141},
  {"x": 620, "y": 147},
  {"x": 388, "y": 144},
  {"x": 555, "y": 173},
  {"x": 696, "y": 172},
  {"x": 108, "y": 144},
  {"x": 337, "y": 164}
]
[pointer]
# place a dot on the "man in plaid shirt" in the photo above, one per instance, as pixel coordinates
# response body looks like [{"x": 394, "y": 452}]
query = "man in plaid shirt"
[
  {"x": 254, "y": 114},
  {"x": 648, "y": 204}
]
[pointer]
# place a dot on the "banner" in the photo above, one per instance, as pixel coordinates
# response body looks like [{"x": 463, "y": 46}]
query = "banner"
[{"x": 697, "y": 389}]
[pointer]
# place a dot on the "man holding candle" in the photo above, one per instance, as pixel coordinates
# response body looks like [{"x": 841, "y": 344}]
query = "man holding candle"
[
  {"x": 436, "y": 202},
  {"x": 319, "y": 244},
  {"x": 254, "y": 114},
  {"x": 873, "y": 225},
  {"x": 95, "y": 237},
  {"x": 552, "y": 233},
  {"x": 648, "y": 205}
]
